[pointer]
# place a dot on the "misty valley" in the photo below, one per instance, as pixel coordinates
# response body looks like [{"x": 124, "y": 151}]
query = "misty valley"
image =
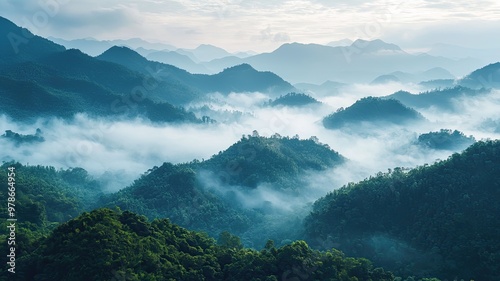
[{"x": 303, "y": 163}]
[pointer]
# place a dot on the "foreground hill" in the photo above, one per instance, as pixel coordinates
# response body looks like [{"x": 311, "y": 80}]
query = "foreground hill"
[
  {"x": 374, "y": 111},
  {"x": 440, "y": 220},
  {"x": 110, "y": 245}
]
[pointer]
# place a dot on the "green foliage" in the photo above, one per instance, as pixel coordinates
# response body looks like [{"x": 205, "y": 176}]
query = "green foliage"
[
  {"x": 372, "y": 110},
  {"x": 53, "y": 87},
  {"x": 172, "y": 191},
  {"x": 293, "y": 99},
  {"x": 279, "y": 160},
  {"x": 109, "y": 245},
  {"x": 440, "y": 220},
  {"x": 446, "y": 139}
]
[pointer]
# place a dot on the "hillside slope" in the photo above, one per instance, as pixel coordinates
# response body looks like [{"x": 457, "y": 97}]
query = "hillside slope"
[{"x": 440, "y": 220}]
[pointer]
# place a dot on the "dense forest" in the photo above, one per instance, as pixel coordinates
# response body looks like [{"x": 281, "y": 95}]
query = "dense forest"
[
  {"x": 438, "y": 220},
  {"x": 115, "y": 245},
  {"x": 293, "y": 99},
  {"x": 250, "y": 211},
  {"x": 211, "y": 195},
  {"x": 445, "y": 139}
]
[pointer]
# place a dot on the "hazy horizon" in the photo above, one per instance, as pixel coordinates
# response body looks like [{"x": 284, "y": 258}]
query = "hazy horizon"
[{"x": 238, "y": 26}]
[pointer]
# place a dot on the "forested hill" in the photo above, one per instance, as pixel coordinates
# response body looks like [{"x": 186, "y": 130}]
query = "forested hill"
[
  {"x": 113, "y": 245},
  {"x": 372, "y": 110},
  {"x": 254, "y": 160},
  {"x": 441, "y": 220},
  {"x": 294, "y": 99},
  {"x": 181, "y": 192}
]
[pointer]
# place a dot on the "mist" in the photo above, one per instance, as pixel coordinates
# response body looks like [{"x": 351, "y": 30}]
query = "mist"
[{"x": 117, "y": 152}]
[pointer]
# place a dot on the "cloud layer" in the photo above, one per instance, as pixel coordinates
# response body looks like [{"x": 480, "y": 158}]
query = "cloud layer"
[{"x": 239, "y": 25}]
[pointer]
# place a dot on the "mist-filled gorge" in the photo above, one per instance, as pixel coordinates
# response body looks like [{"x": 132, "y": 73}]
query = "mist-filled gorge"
[{"x": 353, "y": 160}]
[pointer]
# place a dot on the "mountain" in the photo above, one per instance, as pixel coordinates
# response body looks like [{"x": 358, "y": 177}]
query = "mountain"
[
  {"x": 374, "y": 46},
  {"x": 440, "y": 220},
  {"x": 403, "y": 77},
  {"x": 444, "y": 99},
  {"x": 228, "y": 191},
  {"x": 94, "y": 47},
  {"x": 178, "y": 60},
  {"x": 445, "y": 139},
  {"x": 340, "y": 43},
  {"x": 294, "y": 100},
  {"x": 486, "y": 77},
  {"x": 240, "y": 78},
  {"x": 20, "y": 45},
  {"x": 128, "y": 247},
  {"x": 278, "y": 160},
  {"x": 327, "y": 88},
  {"x": 438, "y": 83},
  {"x": 205, "y": 52},
  {"x": 361, "y": 62},
  {"x": 173, "y": 191},
  {"x": 52, "y": 86},
  {"x": 371, "y": 110},
  {"x": 384, "y": 79}
]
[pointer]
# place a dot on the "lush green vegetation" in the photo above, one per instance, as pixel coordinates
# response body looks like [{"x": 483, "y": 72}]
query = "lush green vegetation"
[
  {"x": 203, "y": 195},
  {"x": 440, "y": 220},
  {"x": 115, "y": 245},
  {"x": 446, "y": 139},
  {"x": 293, "y": 99},
  {"x": 372, "y": 110},
  {"x": 33, "y": 90},
  {"x": 254, "y": 160}
]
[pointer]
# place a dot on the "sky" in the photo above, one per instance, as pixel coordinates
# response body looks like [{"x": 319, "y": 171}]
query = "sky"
[{"x": 262, "y": 26}]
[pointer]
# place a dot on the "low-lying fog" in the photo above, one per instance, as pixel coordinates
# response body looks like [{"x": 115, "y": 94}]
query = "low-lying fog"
[{"x": 119, "y": 151}]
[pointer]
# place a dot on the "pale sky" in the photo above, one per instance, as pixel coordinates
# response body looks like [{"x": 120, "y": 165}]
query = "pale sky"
[{"x": 241, "y": 25}]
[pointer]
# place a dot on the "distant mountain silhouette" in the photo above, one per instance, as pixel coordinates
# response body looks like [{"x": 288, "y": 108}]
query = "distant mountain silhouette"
[
  {"x": 362, "y": 61},
  {"x": 486, "y": 77},
  {"x": 372, "y": 110},
  {"x": 95, "y": 47},
  {"x": 387, "y": 78},
  {"x": 404, "y": 77},
  {"x": 240, "y": 78},
  {"x": 205, "y": 52},
  {"x": 328, "y": 88},
  {"x": 178, "y": 60}
]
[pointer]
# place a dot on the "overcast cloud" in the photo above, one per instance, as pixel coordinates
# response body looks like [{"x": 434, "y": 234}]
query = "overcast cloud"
[{"x": 240, "y": 25}]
